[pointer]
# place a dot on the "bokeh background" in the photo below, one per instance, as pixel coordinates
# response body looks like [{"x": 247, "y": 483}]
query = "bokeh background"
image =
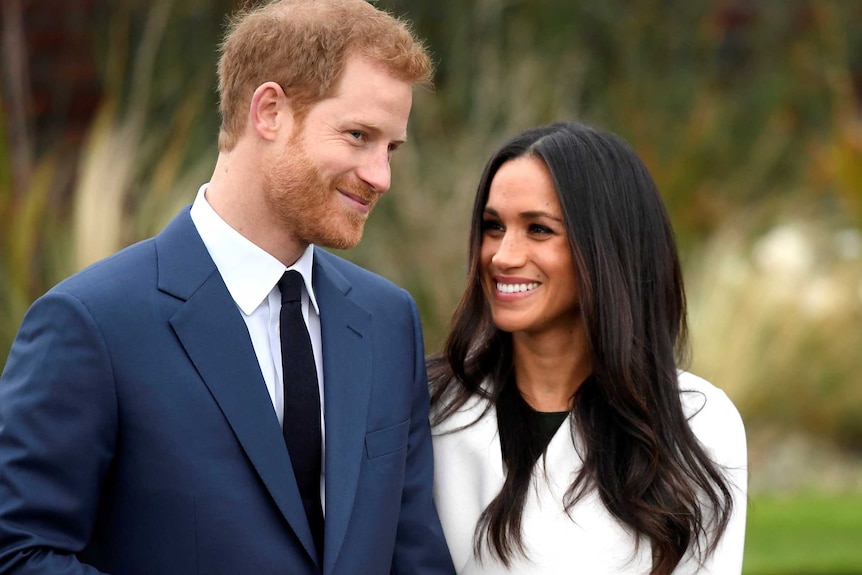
[{"x": 747, "y": 112}]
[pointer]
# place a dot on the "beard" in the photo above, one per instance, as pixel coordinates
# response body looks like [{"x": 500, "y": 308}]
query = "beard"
[{"x": 307, "y": 203}]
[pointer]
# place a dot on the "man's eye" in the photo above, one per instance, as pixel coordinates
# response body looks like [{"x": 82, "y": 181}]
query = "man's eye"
[{"x": 357, "y": 134}]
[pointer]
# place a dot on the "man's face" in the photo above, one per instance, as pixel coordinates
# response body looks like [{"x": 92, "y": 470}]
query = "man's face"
[{"x": 335, "y": 165}]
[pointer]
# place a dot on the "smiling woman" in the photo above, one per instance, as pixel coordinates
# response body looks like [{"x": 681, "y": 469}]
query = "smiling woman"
[
  {"x": 525, "y": 254},
  {"x": 566, "y": 436},
  {"x": 527, "y": 275}
]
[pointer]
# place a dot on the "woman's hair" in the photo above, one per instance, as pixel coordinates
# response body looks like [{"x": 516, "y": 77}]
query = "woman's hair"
[
  {"x": 303, "y": 45},
  {"x": 639, "y": 453}
]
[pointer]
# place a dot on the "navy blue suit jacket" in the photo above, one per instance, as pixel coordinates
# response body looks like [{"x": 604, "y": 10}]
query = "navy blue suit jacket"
[{"x": 137, "y": 434}]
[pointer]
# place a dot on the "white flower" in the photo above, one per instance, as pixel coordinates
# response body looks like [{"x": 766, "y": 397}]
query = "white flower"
[
  {"x": 785, "y": 251},
  {"x": 848, "y": 243}
]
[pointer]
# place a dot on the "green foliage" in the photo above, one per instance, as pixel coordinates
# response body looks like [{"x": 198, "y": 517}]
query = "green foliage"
[
  {"x": 807, "y": 534},
  {"x": 730, "y": 107},
  {"x": 746, "y": 114},
  {"x": 143, "y": 156},
  {"x": 774, "y": 319}
]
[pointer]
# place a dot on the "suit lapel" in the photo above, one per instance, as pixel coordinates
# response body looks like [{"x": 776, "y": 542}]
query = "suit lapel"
[
  {"x": 345, "y": 329},
  {"x": 215, "y": 337}
]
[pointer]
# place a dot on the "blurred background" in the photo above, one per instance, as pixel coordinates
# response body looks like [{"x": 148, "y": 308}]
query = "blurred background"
[{"x": 747, "y": 112}]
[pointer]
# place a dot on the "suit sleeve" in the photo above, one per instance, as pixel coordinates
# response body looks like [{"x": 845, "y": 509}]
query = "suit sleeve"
[
  {"x": 57, "y": 434},
  {"x": 420, "y": 547}
]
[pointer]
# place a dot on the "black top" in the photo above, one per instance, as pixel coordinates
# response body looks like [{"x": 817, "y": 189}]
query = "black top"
[
  {"x": 546, "y": 424},
  {"x": 524, "y": 432}
]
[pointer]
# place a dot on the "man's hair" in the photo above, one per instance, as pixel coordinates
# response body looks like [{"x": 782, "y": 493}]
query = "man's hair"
[{"x": 303, "y": 46}]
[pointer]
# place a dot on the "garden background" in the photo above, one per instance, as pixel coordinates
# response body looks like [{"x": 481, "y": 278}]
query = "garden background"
[{"x": 747, "y": 112}]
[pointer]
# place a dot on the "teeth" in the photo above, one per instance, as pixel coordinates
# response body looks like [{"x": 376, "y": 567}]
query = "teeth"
[{"x": 516, "y": 288}]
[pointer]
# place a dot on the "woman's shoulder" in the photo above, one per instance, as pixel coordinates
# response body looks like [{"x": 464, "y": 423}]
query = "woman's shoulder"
[
  {"x": 474, "y": 409},
  {"x": 699, "y": 396},
  {"x": 713, "y": 418}
]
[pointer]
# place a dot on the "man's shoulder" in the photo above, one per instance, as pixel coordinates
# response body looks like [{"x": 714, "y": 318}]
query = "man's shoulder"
[
  {"x": 355, "y": 275},
  {"x": 128, "y": 267},
  {"x": 120, "y": 268}
]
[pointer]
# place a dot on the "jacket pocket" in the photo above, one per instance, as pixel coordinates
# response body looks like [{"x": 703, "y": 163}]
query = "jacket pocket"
[{"x": 386, "y": 441}]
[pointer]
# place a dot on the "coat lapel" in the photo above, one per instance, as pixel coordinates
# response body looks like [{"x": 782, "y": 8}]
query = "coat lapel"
[
  {"x": 345, "y": 329},
  {"x": 215, "y": 337}
]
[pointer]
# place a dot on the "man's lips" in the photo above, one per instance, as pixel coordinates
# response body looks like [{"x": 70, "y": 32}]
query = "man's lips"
[{"x": 358, "y": 202}]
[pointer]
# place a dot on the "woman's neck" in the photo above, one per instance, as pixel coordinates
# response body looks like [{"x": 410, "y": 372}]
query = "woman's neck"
[{"x": 549, "y": 370}]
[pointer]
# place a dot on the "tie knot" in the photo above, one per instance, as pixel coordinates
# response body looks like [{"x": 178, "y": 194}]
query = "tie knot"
[{"x": 290, "y": 286}]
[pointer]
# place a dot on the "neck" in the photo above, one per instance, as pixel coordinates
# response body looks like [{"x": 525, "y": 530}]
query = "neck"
[
  {"x": 236, "y": 193},
  {"x": 549, "y": 371}
]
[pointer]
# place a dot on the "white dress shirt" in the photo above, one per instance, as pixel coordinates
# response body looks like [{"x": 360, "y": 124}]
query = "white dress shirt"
[{"x": 251, "y": 276}]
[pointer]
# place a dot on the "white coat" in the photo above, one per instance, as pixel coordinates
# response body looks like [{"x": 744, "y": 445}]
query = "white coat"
[{"x": 469, "y": 473}]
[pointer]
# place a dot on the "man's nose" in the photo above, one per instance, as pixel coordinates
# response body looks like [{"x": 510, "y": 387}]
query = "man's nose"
[{"x": 375, "y": 171}]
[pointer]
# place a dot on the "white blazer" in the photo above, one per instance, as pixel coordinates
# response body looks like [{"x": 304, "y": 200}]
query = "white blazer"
[{"x": 469, "y": 474}]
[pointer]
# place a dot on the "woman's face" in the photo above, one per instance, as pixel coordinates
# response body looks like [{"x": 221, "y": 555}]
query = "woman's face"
[{"x": 526, "y": 266}]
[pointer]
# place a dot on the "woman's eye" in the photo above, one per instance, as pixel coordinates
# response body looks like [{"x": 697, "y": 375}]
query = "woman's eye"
[
  {"x": 491, "y": 225},
  {"x": 539, "y": 229}
]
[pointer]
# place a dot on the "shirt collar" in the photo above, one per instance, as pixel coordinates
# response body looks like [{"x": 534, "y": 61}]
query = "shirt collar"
[{"x": 249, "y": 272}]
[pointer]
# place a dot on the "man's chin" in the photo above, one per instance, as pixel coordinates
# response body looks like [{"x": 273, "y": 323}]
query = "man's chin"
[{"x": 344, "y": 241}]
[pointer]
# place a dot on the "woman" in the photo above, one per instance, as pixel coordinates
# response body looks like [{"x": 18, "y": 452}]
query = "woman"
[{"x": 566, "y": 440}]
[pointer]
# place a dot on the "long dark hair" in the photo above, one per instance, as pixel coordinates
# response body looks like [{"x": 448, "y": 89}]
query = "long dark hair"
[{"x": 639, "y": 453}]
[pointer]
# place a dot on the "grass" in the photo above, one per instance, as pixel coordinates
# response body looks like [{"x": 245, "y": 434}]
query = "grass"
[{"x": 804, "y": 534}]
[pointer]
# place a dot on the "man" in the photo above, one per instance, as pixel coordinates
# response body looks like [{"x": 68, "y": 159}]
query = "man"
[{"x": 144, "y": 423}]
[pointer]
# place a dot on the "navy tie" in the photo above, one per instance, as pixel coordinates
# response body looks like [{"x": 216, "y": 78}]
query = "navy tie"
[{"x": 301, "y": 425}]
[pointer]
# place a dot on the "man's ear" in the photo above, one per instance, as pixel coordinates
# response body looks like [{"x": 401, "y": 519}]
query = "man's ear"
[{"x": 270, "y": 112}]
